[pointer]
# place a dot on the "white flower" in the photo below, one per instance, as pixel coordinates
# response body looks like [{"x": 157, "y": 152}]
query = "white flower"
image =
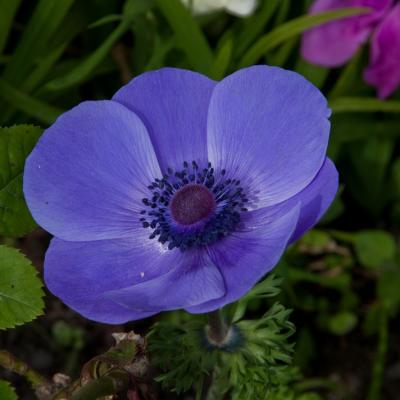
[{"x": 241, "y": 8}]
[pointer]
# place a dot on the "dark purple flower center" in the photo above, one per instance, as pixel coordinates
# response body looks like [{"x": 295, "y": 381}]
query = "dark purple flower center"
[
  {"x": 192, "y": 203},
  {"x": 193, "y": 207}
]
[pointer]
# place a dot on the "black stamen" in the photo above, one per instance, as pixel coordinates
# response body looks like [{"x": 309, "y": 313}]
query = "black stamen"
[{"x": 229, "y": 197}]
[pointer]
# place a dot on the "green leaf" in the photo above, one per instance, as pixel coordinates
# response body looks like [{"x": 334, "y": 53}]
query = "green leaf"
[
  {"x": 8, "y": 10},
  {"x": 373, "y": 248},
  {"x": 46, "y": 19},
  {"x": 16, "y": 143},
  {"x": 161, "y": 48},
  {"x": 66, "y": 335},
  {"x": 281, "y": 15},
  {"x": 45, "y": 65},
  {"x": 269, "y": 287},
  {"x": 6, "y": 391},
  {"x": 342, "y": 322},
  {"x": 106, "y": 20},
  {"x": 133, "y": 8},
  {"x": 189, "y": 36},
  {"x": 314, "y": 73},
  {"x": 222, "y": 59},
  {"x": 316, "y": 239},
  {"x": 292, "y": 28},
  {"x": 395, "y": 179},
  {"x": 35, "y": 108},
  {"x": 352, "y": 127},
  {"x": 85, "y": 68},
  {"x": 21, "y": 294},
  {"x": 252, "y": 26},
  {"x": 366, "y": 174},
  {"x": 280, "y": 56},
  {"x": 362, "y": 104},
  {"x": 388, "y": 288},
  {"x": 148, "y": 45},
  {"x": 351, "y": 73}
]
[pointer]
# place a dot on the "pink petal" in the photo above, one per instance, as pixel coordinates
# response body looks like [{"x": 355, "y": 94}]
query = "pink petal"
[
  {"x": 334, "y": 43},
  {"x": 383, "y": 71}
]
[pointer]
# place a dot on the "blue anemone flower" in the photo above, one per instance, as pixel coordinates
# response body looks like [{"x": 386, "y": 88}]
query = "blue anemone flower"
[{"x": 180, "y": 192}]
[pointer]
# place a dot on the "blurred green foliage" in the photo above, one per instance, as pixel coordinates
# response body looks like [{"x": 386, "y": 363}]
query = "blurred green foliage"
[
  {"x": 6, "y": 392},
  {"x": 342, "y": 280}
]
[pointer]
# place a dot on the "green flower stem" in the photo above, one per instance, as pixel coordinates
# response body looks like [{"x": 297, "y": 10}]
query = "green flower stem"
[
  {"x": 38, "y": 382},
  {"x": 379, "y": 363},
  {"x": 216, "y": 332},
  {"x": 217, "y": 329}
]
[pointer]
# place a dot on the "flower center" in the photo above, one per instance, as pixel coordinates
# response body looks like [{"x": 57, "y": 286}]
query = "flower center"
[
  {"x": 193, "y": 207},
  {"x": 192, "y": 203}
]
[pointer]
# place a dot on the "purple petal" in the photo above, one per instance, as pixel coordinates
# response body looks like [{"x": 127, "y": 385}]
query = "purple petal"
[
  {"x": 194, "y": 280},
  {"x": 383, "y": 71},
  {"x": 173, "y": 104},
  {"x": 268, "y": 127},
  {"x": 334, "y": 43},
  {"x": 247, "y": 255},
  {"x": 315, "y": 199},
  {"x": 80, "y": 273},
  {"x": 87, "y": 175}
]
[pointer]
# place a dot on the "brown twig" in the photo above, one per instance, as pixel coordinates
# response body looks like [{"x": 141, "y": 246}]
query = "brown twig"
[
  {"x": 40, "y": 384},
  {"x": 217, "y": 329},
  {"x": 121, "y": 57}
]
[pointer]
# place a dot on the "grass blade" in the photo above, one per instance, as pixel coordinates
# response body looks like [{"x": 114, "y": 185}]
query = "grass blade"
[
  {"x": 292, "y": 28},
  {"x": 189, "y": 36},
  {"x": 222, "y": 59},
  {"x": 35, "y": 108},
  {"x": 254, "y": 25},
  {"x": 8, "y": 10},
  {"x": 84, "y": 70},
  {"x": 44, "y": 22},
  {"x": 363, "y": 104}
]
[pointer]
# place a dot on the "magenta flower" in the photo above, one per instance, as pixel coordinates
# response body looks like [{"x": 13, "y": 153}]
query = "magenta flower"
[
  {"x": 180, "y": 192},
  {"x": 383, "y": 71},
  {"x": 334, "y": 43}
]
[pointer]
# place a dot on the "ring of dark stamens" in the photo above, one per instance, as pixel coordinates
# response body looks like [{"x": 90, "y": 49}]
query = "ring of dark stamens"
[{"x": 217, "y": 204}]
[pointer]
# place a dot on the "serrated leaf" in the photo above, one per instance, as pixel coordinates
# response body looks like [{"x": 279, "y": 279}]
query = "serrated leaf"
[
  {"x": 16, "y": 143},
  {"x": 21, "y": 294},
  {"x": 374, "y": 248},
  {"x": 7, "y": 391},
  {"x": 269, "y": 287}
]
